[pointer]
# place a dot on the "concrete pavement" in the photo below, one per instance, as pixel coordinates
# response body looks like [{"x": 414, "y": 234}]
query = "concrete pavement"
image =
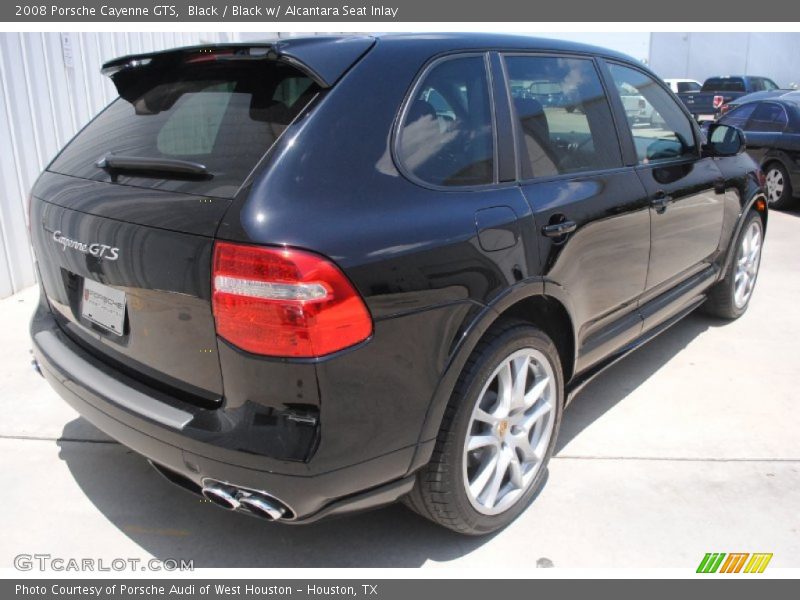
[{"x": 688, "y": 446}]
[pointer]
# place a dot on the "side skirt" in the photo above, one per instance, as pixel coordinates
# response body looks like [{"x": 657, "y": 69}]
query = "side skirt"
[{"x": 579, "y": 381}]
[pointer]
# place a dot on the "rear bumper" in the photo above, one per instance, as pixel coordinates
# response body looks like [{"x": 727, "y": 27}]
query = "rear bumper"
[{"x": 172, "y": 436}]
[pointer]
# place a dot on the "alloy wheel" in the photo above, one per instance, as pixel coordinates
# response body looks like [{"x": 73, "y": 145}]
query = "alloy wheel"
[
  {"x": 509, "y": 431},
  {"x": 747, "y": 262}
]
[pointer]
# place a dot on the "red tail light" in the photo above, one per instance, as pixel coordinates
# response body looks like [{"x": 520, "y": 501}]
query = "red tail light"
[
  {"x": 718, "y": 101},
  {"x": 285, "y": 302}
]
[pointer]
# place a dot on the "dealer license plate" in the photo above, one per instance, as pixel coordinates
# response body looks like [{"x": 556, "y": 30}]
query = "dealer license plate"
[{"x": 104, "y": 306}]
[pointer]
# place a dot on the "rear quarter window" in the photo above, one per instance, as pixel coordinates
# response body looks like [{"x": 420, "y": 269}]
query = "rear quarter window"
[
  {"x": 224, "y": 116},
  {"x": 446, "y": 136}
]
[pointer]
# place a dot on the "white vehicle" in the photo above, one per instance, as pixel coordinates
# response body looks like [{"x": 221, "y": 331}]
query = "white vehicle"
[
  {"x": 680, "y": 86},
  {"x": 637, "y": 108}
]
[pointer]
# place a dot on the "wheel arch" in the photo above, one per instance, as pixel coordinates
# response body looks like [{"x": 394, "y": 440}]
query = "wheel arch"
[
  {"x": 746, "y": 208},
  {"x": 526, "y": 301},
  {"x": 776, "y": 156}
]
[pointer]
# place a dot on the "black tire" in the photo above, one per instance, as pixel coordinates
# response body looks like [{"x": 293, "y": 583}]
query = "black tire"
[
  {"x": 439, "y": 493},
  {"x": 721, "y": 298},
  {"x": 786, "y": 198}
]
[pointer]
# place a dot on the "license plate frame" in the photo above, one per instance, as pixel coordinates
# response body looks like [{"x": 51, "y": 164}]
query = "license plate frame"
[{"x": 105, "y": 306}]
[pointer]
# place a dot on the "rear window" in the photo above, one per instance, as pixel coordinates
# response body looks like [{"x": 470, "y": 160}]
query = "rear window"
[
  {"x": 223, "y": 115},
  {"x": 724, "y": 84}
]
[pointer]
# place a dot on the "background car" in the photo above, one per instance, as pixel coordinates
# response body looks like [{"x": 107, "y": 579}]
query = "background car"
[
  {"x": 772, "y": 133},
  {"x": 764, "y": 95},
  {"x": 718, "y": 91},
  {"x": 637, "y": 108},
  {"x": 682, "y": 86}
]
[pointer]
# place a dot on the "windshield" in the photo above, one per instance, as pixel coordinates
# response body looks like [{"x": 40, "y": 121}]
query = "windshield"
[{"x": 222, "y": 116}]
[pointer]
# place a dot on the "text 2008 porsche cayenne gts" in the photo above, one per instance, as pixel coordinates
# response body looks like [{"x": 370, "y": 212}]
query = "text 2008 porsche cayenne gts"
[{"x": 319, "y": 275}]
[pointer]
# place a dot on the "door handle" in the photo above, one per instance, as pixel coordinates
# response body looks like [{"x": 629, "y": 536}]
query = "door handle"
[
  {"x": 660, "y": 201},
  {"x": 556, "y": 230}
]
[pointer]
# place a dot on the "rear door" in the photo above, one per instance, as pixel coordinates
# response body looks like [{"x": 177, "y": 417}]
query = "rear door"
[
  {"x": 591, "y": 212},
  {"x": 123, "y": 220},
  {"x": 686, "y": 191}
]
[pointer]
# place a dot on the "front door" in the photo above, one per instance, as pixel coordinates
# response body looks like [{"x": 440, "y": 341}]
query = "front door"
[
  {"x": 590, "y": 211},
  {"x": 686, "y": 192}
]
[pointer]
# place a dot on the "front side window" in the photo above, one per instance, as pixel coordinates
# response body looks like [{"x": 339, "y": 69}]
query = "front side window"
[
  {"x": 661, "y": 130},
  {"x": 767, "y": 117},
  {"x": 762, "y": 84},
  {"x": 563, "y": 116},
  {"x": 446, "y": 137}
]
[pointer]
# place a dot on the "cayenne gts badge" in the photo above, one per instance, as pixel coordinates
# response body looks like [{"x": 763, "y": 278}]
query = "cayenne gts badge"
[{"x": 95, "y": 249}]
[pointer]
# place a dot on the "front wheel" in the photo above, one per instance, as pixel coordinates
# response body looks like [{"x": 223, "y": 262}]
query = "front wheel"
[
  {"x": 498, "y": 433},
  {"x": 730, "y": 297}
]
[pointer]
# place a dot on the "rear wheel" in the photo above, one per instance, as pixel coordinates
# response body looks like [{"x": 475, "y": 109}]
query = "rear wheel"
[
  {"x": 731, "y": 296},
  {"x": 779, "y": 186},
  {"x": 497, "y": 435}
]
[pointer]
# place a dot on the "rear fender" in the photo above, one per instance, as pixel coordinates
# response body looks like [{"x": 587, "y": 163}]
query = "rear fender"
[{"x": 525, "y": 289}]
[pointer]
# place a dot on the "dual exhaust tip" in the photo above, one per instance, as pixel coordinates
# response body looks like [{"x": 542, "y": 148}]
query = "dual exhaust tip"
[{"x": 233, "y": 498}]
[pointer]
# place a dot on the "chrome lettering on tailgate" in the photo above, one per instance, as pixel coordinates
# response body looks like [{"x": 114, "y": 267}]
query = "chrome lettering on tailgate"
[{"x": 95, "y": 249}]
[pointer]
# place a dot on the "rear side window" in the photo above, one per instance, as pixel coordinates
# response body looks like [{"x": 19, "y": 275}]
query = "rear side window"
[
  {"x": 224, "y": 115},
  {"x": 563, "y": 116},
  {"x": 768, "y": 117},
  {"x": 446, "y": 137},
  {"x": 724, "y": 84}
]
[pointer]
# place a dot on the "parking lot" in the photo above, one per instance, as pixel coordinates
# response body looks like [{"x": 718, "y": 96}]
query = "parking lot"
[{"x": 688, "y": 446}]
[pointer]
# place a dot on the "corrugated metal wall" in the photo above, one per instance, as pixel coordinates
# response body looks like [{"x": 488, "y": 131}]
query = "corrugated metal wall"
[
  {"x": 702, "y": 55},
  {"x": 50, "y": 86}
]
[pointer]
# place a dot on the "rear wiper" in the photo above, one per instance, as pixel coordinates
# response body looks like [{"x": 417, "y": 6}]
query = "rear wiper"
[{"x": 155, "y": 166}]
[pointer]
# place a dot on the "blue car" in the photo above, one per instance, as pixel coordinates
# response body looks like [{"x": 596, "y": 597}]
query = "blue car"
[{"x": 772, "y": 134}]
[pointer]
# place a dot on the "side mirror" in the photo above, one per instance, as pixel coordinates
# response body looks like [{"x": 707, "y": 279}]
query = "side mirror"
[{"x": 723, "y": 140}]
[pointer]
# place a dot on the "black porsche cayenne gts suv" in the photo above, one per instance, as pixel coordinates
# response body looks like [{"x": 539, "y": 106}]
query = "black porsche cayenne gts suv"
[{"x": 314, "y": 276}]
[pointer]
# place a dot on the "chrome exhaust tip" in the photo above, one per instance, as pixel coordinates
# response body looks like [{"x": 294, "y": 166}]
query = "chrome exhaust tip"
[
  {"x": 263, "y": 507},
  {"x": 221, "y": 495}
]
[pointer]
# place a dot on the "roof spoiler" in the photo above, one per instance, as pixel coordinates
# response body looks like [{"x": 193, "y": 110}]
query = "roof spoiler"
[{"x": 324, "y": 59}]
